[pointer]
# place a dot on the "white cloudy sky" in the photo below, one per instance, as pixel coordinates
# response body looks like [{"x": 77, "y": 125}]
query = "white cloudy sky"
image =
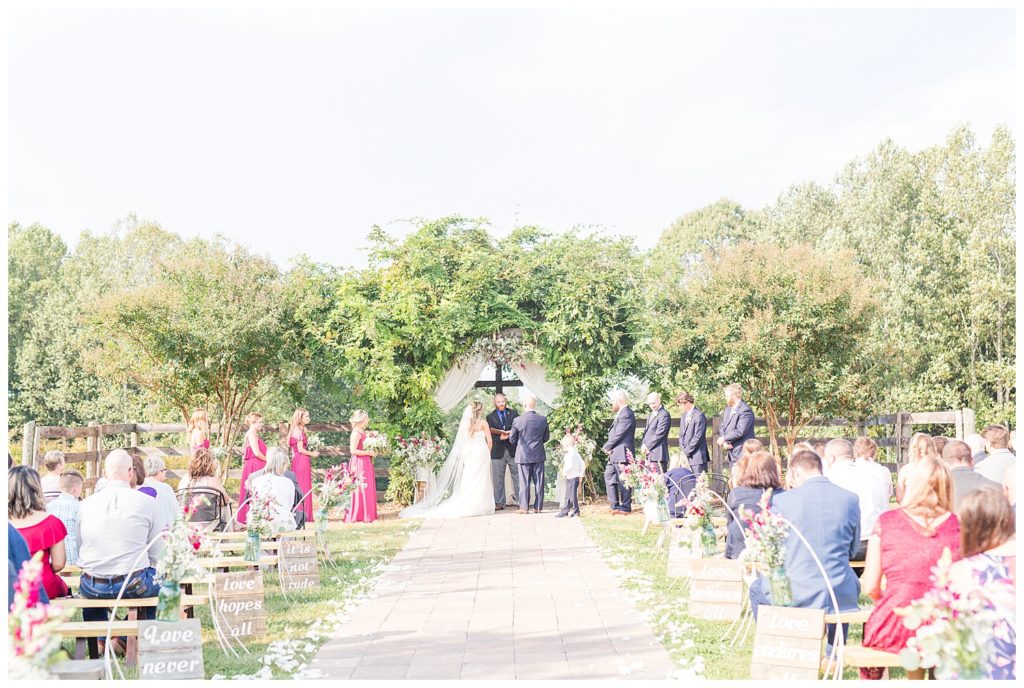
[{"x": 295, "y": 131}]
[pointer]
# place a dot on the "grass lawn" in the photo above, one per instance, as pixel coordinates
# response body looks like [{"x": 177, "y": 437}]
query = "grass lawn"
[
  {"x": 661, "y": 599},
  {"x": 297, "y": 628}
]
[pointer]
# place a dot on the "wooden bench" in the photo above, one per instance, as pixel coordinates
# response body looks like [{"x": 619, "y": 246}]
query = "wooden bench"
[
  {"x": 226, "y": 563},
  {"x": 241, "y": 535},
  {"x": 860, "y": 656},
  {"x": 860, "y": 616},
  {"x": 856, "y": 564},
  {"x": 79, "y": 669},
  {"x": 86, "y": 634}
]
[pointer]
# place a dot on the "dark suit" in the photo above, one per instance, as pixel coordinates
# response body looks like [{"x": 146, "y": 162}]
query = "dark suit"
[
  {"x": 681, "y": 482},
  {"x": 503, "y": 453},
  {"x": 966, "y": 481},
  {"x": 529, "y": 434},
  {"x": 737, "y": 428},
  {"x": 621, "y": 439},
  {"x": 656, "y": 437},
  {"x": 693, "y": 427}
]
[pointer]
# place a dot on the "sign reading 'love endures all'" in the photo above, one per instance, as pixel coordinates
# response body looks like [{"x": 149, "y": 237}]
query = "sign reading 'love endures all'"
[
  {"x": 170, "y": 650},
  {"x": 297, "y": 559}
]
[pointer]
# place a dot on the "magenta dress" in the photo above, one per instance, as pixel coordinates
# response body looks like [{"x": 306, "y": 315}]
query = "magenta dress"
[
  {"x": 204, "y": 445},
  {"x": 364, "y": 501},
  {"x": 251, "y": 464},
  {"x": 303, "y": 473}
]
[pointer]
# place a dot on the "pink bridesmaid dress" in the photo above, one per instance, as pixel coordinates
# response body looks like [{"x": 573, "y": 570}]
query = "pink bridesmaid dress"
[
  {"x": 364, "y": 501},
  {"x": 303, "y": 473},
  {"x": 204, "y": 445},
  {"x": 251, "y": 464}
]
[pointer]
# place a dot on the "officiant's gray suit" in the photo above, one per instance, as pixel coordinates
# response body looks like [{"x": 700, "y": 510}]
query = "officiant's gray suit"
[{"x": 529, "y": 434}]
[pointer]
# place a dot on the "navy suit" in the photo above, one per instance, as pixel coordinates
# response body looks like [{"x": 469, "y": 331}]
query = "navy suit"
[
  {"x": 529, "y": 434},
  {"x": 656, "y": 437},
  {"x": 737, "y": 428},
  {"x": 681, "y": 482},
  {"x": 693, "y": 443},
  {"x": 621, "y": 439}
]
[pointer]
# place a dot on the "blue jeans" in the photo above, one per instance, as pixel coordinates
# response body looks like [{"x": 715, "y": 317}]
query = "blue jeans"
[
  {"x": 142, "y": 584},
  {"x": 760, "y": 594}
]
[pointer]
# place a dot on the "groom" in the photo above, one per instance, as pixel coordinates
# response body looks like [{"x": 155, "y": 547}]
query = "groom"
[{"x": 529, "y": 434}]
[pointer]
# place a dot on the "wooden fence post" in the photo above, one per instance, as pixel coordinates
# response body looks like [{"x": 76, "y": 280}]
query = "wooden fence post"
[
  {"x": 898, "y": 434},
  {"x": 958, "y": 424},
  {"x": 969, "y": 427},
  {"x": 92, "y": 445},
  {"x": 28, "y": 438}
]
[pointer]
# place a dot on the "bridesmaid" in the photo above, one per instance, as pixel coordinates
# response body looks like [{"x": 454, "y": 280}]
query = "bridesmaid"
[
  {"x": 199, "y": 431},
  {"x": 301, "y": 457},
  {"x": 255, "y": 459},
  {"x": 364, "y": 501}
]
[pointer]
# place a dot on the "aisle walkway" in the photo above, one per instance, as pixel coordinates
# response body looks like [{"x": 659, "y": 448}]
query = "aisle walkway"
[{"x": 499, "y": 597}]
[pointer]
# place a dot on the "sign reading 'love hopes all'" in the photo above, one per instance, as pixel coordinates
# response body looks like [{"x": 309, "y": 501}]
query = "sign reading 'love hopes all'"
[
  {"x": 170, "y": 650},
  {"x": 297, "y": 559},
  {"x": 239, "y": 603}
]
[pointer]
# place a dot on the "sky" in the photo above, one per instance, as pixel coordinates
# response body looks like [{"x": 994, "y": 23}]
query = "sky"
[{"x": 294, "y": 132}]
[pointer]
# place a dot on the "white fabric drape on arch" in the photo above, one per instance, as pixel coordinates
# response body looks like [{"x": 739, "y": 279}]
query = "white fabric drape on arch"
[
  {"x": 458, "y": 382},
  {"x": 536, "y": 380}
]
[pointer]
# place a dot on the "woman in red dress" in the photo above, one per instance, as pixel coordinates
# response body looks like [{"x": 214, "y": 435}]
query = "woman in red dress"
[
  {"x": 364, "y": 501},
  {"x": 255, "y": 459},
  {"x": 301, "y": 457},
  {"x": 26, "y": 510},
  {"x": 906, "y": 543}
]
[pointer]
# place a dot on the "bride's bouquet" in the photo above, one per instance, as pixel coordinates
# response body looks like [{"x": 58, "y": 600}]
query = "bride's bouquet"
[{"x": 377, "y": 442}]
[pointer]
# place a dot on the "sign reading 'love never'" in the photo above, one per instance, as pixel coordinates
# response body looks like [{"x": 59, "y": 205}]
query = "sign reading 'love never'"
[{"x": 170, "y": 650}]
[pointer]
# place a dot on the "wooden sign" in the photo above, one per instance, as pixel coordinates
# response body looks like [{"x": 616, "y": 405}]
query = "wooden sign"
[
  {"x": 684, "y": 549},
  {"x": 787, "y": 643},
  {"x": 298, "y": 562},
  {"x": 170, "y": 650},
  {"x": 239, "y": 603},
  {"x": 716, "y": 589}
]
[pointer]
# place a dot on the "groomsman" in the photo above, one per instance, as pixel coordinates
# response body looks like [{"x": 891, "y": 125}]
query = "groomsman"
[
  {"x": 621, "y": 437},
  {"x": 503, "y": 452},
  {"x": 654, "y": 444},
  {"x": 529, "y": 435},
  {"x": 737, "y": 423},
  {"x": 693, "y": 427}
]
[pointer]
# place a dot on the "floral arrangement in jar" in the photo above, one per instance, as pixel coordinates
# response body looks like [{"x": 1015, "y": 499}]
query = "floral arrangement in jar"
[
  {"x": 32, "y": 644},
  {"x": 766, "y": 533},
  {"x": 263, "y": 522},
  {"x": 698, "y": 515},
  {"x": 334, "y": 490},
  {"x": 178, "y": 560}
]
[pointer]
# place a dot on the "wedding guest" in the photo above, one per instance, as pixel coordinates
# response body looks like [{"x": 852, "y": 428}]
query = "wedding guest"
[
  {"x": 53, "y": 462},
  {"x": 654, "y": 444},
  {"x": 989, "y": 547},
  {"x": 572, "y": 470},
  {"x": 693, "y": 427},
  {"x": 737, "y": 423},
  {"x": 920, "y": 448},
  {"x": 65, "y": 507},
  {"x": 198, "y": 430},
  {"x": 1010, "y": 485},
  {"x": 829, "y": 518},
  {"x": 119, "y": 540},
  {"x": 255, "y": 459},
  {"x": 301, "y": 458},
  {"x": 977, "y": 444},
  {"x": 760, "y": 472},
  {"x": 750, "y": 447},
  {"x": 503, "y": 452},
  {"x": 202, "y": 473},
  {"x": 272, "y": 482},
  {"x": 620, "y": 445},
  {"x": 939, "y": 443},
  {"x": 844, "y": 472},
  {"x": 17, "y": 555},
  {"x": 156, "y": 479},
  {"x": 997, "y": 445},
  {"x": 138, "y": 477},
  {"x": 297, "y": 513},
  {"x": 904, "y": 546},
  {"x": 364, "y": 501},
  {"x": 957, "y": 456},
  {"x": 680, "y": 480},
  {"x": 26, "y": 511},
  {"x": 865, "y": 451}
]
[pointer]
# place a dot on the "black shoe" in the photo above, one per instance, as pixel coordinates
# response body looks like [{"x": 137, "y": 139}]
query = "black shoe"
[
  {"x": 561, "y": 515},
  {"x": 574, "y": 515}
]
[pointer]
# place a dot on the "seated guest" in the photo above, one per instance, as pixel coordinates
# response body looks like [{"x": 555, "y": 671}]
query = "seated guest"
[
  {"x": 680, "y": 481},
  {"x": 845, "y": 473},
  {"x": 988, "y": 545},
  {"x": 272, "y": 481},
  {"x": 760, "y": 472},
  {"x": 997, "y": 444},
  {"x": 65, "y": 508},
  {"x": 17, "y": 555},
  {"x": 202, "y": 471},
  {"x": 921, "y": 447},
  {"x": 156, "y": 478},
  {"x": 977, "y": 444},
  {"x": 750, "y": 447},
  {"x": 904, "y": 546},
  {"x": 26, "y": 511},
  {"x": 939, "y": 443},
  {"x": 119, "y": 540},
  {"x": 1010, "y": 485},
  {"x": 138, "y": 477},
  {"x": 829, "y": 518},
  {"x": 957, "y": 456},
  {"x": 865, "y": 454},
  {"x": 53, "y": 462}
]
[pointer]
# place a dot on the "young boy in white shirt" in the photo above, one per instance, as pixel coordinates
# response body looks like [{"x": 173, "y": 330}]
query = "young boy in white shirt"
[{"x": 572, "y": 471}]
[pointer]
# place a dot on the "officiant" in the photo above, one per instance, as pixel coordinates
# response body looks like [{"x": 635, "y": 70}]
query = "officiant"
[{"x": 503, "y": 452}]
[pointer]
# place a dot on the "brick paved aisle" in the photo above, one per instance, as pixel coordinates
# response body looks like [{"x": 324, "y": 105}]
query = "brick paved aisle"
[{"x": 497, "y": 597}]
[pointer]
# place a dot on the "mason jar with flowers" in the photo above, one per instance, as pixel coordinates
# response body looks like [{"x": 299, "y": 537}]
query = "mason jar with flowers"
[
  {"x": 179, "y": 560},
  {"x": 765, "y": 535},
  {"x": 697, "y": 518}
]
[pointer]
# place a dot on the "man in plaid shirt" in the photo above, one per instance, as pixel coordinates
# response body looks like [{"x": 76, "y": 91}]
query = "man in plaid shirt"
[{"x": 65, "y": 507}]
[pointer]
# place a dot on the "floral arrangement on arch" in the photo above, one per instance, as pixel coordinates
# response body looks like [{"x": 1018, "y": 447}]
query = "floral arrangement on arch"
[
  {"x": 584, "y": 445},
  {"x": 183, "y": 541},
  {"x": 501, "y": 350},
  {"x": 955, "y": 626},
  {"x": 31, "y": 642},
  {"x": 377, "y": 442},
  {"x": 647, "y": 484},
  {"x": 766, "y": 539},
  {"x": 421, "y": 452}
]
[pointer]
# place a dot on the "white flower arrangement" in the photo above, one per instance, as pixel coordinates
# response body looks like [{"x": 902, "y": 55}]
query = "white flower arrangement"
[
  {"x": 501, "y": 350},
  {"x": 183, "y": 541},
  {"x": 377, "y": 442}
]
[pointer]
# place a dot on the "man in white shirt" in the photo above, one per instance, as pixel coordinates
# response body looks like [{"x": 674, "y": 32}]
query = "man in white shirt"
[
  {"x": 865, "y": 451},
  {"x": 843, "y": 472},
  {"x": 997, "y": 444},
  {"x": 572, "y": 470}
]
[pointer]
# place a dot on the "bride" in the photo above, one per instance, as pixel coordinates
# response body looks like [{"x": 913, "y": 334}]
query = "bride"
[{"x": 463, "y": 486}]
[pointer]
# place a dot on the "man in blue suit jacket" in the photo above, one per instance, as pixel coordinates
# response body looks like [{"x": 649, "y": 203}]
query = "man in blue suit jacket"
[
  {"x": 529, "y": 434},
  {"x": 737, "y": 423},
  {"x": 693, "y": 427},
  {"x": 621, "y": 439},
  {"x": 829, "y": 518},
  {"x": 654, "y": 444}
]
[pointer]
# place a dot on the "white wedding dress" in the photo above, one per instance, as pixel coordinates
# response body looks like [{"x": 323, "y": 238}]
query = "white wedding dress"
[{"x": 463, "y": 486}]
